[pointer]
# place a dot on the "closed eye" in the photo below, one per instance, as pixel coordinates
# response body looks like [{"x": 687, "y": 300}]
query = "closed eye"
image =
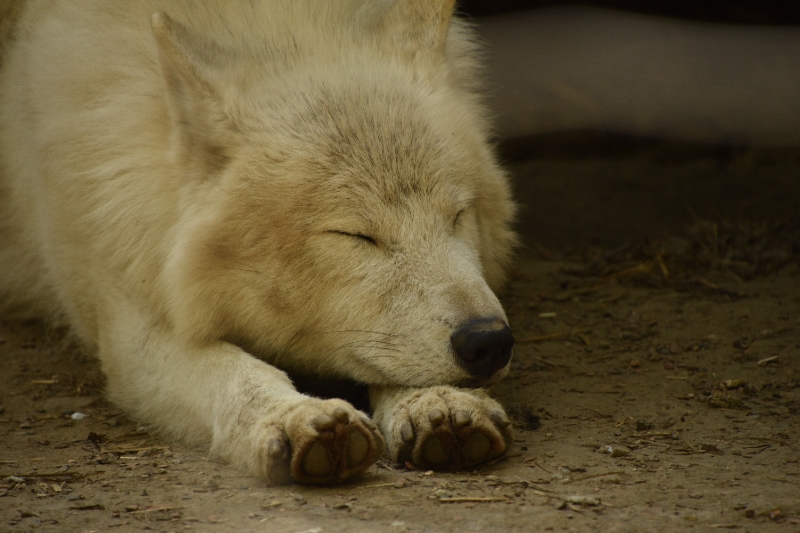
[
  {"x": 457, "y": 218},
  {"x": 360, "y": 236}
]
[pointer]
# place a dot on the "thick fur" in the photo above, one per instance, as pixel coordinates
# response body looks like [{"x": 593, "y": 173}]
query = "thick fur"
[{"x": 213, "y": 194}]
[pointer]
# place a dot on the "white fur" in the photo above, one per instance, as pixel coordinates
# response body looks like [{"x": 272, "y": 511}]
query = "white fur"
[{"x": 186, "y": 191}]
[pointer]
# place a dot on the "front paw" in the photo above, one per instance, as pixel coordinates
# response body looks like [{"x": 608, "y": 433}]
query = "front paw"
[
  {"x": 444, "y": 428},
  {"x": 319, "y": 442}
]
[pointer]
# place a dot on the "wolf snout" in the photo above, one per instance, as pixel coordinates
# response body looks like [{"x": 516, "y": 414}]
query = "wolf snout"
[{"x": 483, "y": 345}]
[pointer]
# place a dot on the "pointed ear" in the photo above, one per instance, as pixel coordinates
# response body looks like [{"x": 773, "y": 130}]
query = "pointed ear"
[
  {"x": 417, "y": 28},
  {"x": 191, "y": 67}
]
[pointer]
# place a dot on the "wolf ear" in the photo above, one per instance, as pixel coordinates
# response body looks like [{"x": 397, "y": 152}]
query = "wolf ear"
[
  {"x": 417, "y": 28},
  {"x": 191, "y": 67}
]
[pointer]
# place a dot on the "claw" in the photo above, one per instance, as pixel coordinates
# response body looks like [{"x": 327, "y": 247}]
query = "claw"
[
  {"x": 341, "y": 415},
  {"x": 500, "y": 418},
  {"x": 367, "y": 422},
  {"x": 462, "y": 418},
  {"x": 279, "y": 472},
  {"x": 436, "y": 417},
  {"x": 275, "y": 449},
  {"x": 322, "y": 422},
  {"x": 407, "y": 432}
]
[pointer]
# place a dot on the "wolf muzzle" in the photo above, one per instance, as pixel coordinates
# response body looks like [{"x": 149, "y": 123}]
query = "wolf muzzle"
[{"x": 483, "y": 345}]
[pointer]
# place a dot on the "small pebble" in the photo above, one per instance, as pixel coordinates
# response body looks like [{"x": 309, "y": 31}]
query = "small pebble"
[{"x": 620, "y": 451}]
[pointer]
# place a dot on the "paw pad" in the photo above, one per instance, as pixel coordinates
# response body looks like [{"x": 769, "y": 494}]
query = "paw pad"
[
  {"x": 322, "y": 445},
  {"x": 357, "y": 448},
  {"x": 443, "y": 428},
  {"x": 479, "y": 447}
]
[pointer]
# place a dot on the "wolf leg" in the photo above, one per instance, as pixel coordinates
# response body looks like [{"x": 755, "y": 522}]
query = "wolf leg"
[
  {"x": 441, "y": 428},
  {"x": 246, "y": 409}
]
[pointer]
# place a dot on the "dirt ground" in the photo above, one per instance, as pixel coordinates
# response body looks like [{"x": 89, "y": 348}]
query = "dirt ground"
[{"x": 655, "y": 383}]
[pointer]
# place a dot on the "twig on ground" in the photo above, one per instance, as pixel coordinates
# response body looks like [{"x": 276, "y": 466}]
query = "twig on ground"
[{"x": 552, "y": 336}]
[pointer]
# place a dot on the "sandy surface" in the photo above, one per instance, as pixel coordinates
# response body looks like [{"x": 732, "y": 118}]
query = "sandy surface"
[{"x": 655, "y": 386}]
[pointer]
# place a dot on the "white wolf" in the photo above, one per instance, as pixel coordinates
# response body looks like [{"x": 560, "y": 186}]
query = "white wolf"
[{"x": 215, "y": 193}]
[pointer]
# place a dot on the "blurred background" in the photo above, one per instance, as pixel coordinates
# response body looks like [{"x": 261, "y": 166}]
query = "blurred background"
[
  {"x": 736, "y": 11},
  {"x": 627, "y": 121}
]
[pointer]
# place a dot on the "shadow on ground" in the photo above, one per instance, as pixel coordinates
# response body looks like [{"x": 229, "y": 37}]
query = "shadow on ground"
[{"x": 655, "y": 384}]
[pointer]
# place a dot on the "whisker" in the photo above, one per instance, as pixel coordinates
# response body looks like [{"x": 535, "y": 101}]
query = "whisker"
[
  {"x": 351, "y": 331},
  {"x": 360, "y": 344},
  {"x": 379, "y": 356}
]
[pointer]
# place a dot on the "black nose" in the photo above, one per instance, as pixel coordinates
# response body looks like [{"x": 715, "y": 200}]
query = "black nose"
[{"x": 483, "y": 345}]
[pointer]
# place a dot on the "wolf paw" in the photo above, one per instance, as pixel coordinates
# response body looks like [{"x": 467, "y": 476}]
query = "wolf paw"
[
  {"x": 443, "y": 428},
  {"x": 321, "y": 442}
]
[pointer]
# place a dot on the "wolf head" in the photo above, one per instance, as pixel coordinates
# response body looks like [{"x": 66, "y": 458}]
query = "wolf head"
[{"x": 344, "y": 212}]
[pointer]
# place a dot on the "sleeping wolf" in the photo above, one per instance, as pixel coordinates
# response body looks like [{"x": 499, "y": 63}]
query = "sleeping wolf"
[{"x": 217, "y": 195}]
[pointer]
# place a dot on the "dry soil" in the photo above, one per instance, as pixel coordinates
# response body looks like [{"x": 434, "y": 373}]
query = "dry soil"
[{"x": 655, "y": 383}]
